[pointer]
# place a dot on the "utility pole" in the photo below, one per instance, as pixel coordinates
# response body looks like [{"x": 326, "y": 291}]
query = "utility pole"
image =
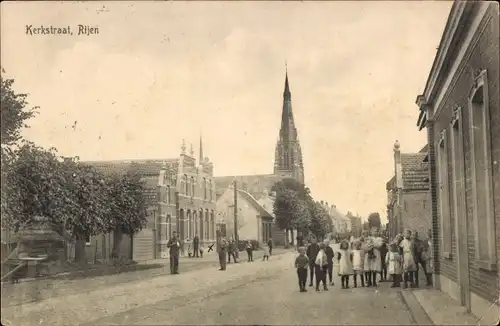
[{"x": 236, "y": 218}]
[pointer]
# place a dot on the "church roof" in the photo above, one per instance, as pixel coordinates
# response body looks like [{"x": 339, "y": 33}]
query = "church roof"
[{"x": 256, "y": 185}]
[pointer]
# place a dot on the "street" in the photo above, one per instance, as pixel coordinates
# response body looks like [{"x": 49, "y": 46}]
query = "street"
[{"x": 248, "y": 293}]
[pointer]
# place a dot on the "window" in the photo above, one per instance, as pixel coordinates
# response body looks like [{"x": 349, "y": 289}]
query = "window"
[
  {"x": 481, "y": 172},
  {"x": 88, "y": 240},
  {"x": 204, "y": 188},
  {"x": 444, "y": 195},
  {"x": 168, "y": 195},
  {"x": 186, "y": 184},
  {"x": 192, "y": 187}
]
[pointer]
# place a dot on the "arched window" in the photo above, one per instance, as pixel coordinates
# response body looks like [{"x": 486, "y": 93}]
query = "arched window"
[
  {"x": 192, "y": 186},
  {"x": 168, "y": 195},
  {"x": 186, "y": 184}
]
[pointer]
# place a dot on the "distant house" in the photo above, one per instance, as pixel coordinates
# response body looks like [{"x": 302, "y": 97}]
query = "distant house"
[
  {"x": 460, "y": 110},
  {"x": 356, "y": 224},
  {"x": 254, "y": 221},
  {"x": 408, "y": 193}
]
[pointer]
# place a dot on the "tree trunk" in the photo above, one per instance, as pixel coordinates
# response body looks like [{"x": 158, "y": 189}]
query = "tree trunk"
[
  {"x": 117, "y": 241},
  {"x": 286, "y": 238},
  {"x": 80, "y": 256},
  {"x": 292, "y": 242}
]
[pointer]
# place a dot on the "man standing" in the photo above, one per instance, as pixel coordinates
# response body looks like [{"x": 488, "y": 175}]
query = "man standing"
[
  {"x": 174, "y": 246},
  {"x": 312, "y": 252},
  {"x": 270, "y": 245},
  {"x": 231, "y": 250},
  {"x": 196, "y": 246},
  {"x": 222, "y": 253}
]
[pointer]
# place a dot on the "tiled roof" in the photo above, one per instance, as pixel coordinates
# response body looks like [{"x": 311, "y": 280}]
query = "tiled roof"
[
  {"x": 256, "y": 185},
  {"x": 415, "y": 171},
  {"x": 143, "y": 167}
]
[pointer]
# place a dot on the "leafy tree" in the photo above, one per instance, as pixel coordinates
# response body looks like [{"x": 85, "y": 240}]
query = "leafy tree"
[
  {"x": 14, "y": 112},
  {"x": 128, "y": 207},
  {"x": 302, "y": 191},
  {"x": 374, "y": 221},
  {"x": 321, "y": 224},
  {"x": 290, "y": 211},
  {"x": 72, "y": 195},
  {"x": 33, "y": 186}
]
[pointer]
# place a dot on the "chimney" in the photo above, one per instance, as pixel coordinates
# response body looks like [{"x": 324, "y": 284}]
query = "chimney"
[{"x": 398, "y": 171}]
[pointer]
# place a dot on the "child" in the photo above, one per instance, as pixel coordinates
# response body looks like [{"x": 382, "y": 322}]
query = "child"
[
  {"x": 393, "y": 263},
  {"x": 373, "y": 262},
  {"x": 201, "y": 251},
  {"x": 358, "y": 263},
  {"x": 301, "y": 263},
  {"x": 266, "y": 252},
  {"x": 408, "y": 260},
  {"x": 383, "y": 254},
  {"x": 329, "y": 257},
  {"x": 249, "y": 249},
  {"x": 321, "y": 267},
  {"x": 345, "y": 263}
]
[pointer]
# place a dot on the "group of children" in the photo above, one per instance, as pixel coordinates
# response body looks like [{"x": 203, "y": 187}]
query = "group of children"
[{"x": 366, "y": 257}]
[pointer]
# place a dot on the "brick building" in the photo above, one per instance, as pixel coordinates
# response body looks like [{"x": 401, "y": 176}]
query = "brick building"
[
  {"x": 180, "y": 197},
  {"x": 408, "y": 195},
  {"x": 460, "y": 110}
]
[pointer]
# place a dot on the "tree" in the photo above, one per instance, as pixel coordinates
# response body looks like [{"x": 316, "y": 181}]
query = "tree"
[
  {"x": 290, "y": 211},
  {"x": 374, "y": 221},
  {"x": 72, "y": 195},
  {"x": 302, "y": 191},
  {"x": 128, "y": 207},
  {"x": 321, "y": 224},
  {"x": 14, "y": 112}
]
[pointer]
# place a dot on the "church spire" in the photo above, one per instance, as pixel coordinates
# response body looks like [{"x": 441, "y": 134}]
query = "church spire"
[
  {"x": 286, "y": 94},
  {"x": 288, "y": 154}
]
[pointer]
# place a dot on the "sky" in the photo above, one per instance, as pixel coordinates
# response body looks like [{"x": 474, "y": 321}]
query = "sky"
[{"x": 161, "y": 72}]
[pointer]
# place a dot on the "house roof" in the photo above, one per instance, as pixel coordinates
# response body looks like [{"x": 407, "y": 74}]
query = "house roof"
[
  {"x": 143, "y": 167},
  {"x": 262, "y": 211},
  {"x": 256, "y": 185},
  {"x": 149, "y": 170},
  {"x": 336, "y": 213},
  {"x": 415, "y": 171}
]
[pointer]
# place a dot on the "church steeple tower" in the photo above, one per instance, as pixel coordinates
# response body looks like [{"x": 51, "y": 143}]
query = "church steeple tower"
[{"x": 288, "y": 155}]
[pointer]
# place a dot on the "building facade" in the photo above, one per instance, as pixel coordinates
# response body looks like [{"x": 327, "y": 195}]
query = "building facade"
[
  {"x": 180, "y": 196},
  {"x": 356, "y": 224},
  {"x": 408, "y": 194},
  {"x": 460, "y": 110},
  {"x": 254, "y": 222}
]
